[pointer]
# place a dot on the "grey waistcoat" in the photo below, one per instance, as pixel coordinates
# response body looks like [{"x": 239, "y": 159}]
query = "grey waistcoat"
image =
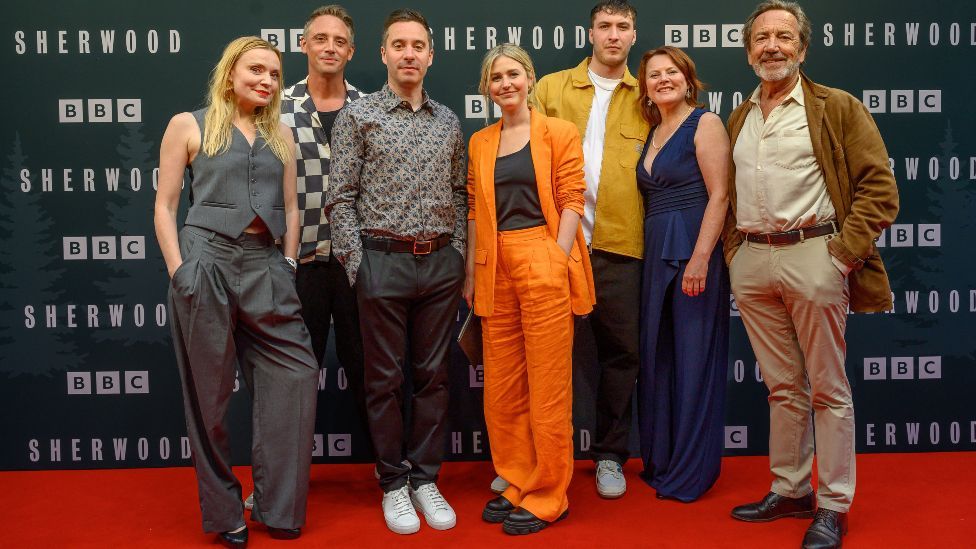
[{"x": 230, "y": 189}]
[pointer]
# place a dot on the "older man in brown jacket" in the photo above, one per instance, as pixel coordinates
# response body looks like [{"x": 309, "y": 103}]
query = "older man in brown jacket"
[{"x": 810, "y": 191}]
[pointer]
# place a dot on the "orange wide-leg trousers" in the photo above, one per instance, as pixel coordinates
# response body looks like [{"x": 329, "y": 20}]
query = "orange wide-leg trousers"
[{"x": 528, "y": 353}]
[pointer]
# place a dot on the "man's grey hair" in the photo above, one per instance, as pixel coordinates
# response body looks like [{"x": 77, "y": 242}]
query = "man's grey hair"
[{"x": 791, "y": 7}]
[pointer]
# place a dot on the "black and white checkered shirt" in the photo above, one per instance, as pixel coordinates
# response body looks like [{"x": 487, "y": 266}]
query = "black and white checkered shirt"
[{"x": 312, "y": 153}]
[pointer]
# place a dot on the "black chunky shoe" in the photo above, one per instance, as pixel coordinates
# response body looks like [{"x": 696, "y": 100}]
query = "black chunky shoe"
[
  {"x": 497, "y": 510},
  {"x": 520, "y": 522}
]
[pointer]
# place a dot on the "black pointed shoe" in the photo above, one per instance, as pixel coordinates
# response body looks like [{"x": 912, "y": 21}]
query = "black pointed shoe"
[
  {"x": 497, "y": 510},
  {"x": 775, "y": 506},
  {"x": 234, "y": 540},
  {"x": 520, "y": 522},
  {"x": 285, "y": 533},
  {"x": 826, "y": 531}
]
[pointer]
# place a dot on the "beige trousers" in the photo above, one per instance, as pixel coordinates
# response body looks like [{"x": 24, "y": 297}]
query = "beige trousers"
[{"x": 793, "y": 302}]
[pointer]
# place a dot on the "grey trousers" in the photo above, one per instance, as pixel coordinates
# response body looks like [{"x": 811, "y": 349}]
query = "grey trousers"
[{"x": 234, "y": 301}]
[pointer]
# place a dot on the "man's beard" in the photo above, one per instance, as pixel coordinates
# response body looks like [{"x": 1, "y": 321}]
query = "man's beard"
[{"x": 776, "y": 75}]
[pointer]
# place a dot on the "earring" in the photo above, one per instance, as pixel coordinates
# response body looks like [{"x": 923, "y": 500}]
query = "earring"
[
  {"x": 688, "y": 93},
  {"x": 649, "y": 102}
]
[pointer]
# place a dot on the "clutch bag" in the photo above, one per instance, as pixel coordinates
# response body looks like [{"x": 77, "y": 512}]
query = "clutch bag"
[{"x": 469, "y": 339}]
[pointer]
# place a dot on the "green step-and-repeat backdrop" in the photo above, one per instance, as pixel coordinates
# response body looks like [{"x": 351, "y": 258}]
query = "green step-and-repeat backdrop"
[{"x": 87, "y": 372}]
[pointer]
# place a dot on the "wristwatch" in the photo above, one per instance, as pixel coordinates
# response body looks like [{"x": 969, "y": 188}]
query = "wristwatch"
[{"x": 292, "y": 263}]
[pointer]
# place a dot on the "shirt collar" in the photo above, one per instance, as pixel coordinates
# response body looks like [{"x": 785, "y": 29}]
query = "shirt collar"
[
  {"x": 392, "y": 101},
  {"x": 795, "y": 94}
]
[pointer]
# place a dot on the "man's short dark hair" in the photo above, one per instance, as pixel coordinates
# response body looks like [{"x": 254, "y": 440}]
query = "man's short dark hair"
[
  {"x": 337, "y": 11},
  {"x": 614, "y": 7},
  {"x": 406, "y": 15}
]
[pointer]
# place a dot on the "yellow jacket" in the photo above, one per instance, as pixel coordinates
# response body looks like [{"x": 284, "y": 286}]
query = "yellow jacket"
[{"x": 619, "y": 221}]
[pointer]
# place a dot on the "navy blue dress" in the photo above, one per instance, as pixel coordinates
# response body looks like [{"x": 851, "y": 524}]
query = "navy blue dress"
[{"x": 684, "y": 341}]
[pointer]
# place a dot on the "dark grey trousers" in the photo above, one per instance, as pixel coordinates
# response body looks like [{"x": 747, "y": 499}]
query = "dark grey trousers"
[
  {"x": 408, "y": 299},
  {"x": 234, "y": 301}
]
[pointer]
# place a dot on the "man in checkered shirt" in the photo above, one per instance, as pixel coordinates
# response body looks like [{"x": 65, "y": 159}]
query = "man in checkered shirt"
[{"x": 310, "y": 108}]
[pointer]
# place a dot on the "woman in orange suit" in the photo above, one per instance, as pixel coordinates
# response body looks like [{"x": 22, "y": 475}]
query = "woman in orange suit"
[{"x": 526, "y": 277}]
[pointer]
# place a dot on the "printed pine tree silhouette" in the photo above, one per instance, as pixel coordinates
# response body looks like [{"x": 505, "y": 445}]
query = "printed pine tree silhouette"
[
  {"x": 30, "y": 274},
  {"x": 944, "y": 268},
  {"x": 130, "y": 212}
]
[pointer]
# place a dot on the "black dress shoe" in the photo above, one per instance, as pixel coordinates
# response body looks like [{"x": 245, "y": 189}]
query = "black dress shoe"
[
  {"x": 775, "y": 506},
  {"x": 237, "y": 540},
  {"x": 284, "y": 533},
  {"x": 521, "y": 522},
  {"x": 497, "y": 510},
  {"x": 826, "y": 531}
]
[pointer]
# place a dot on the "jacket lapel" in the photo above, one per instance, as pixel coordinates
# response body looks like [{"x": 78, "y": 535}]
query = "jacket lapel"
[
  {"x": 815, "y": 115},
  {"x": 489, "y": 152},
  {"x": 540, "y": 145}
]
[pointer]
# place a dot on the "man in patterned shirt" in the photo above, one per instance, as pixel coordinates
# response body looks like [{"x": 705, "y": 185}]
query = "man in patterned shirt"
[{"x": 398, "y": 205}]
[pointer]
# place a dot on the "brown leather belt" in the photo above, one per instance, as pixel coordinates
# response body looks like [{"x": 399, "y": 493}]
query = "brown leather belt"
[
  {"x": 415, "y": 247},
  {"x": 794, "y": 236}
]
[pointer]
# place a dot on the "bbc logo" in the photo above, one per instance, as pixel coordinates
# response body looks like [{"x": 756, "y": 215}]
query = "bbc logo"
[
  {"x": 474, "y": 107},
  {"x": 339, "y": 445},
  {"x": 907, "y": 235},
  {"x": 476, "y": 375},
  {"x": 104, "y": 247},
  {"x": 108, "y": 383},
  {"x": 902, "y": 101},
  {"x": 703, "y": 36},
  {"x": 736, "y": 436},
  {"x": 99, "y": 110},
  {"x": 284, "y": 39},
  {"x": 902, "y": 367}
]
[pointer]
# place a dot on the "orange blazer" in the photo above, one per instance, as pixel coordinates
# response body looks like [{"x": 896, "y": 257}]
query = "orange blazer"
[{"x": 557, "y": 156}]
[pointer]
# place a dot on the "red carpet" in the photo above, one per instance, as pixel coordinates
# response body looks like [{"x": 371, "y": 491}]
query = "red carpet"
[{"x": 903, "y": 500}]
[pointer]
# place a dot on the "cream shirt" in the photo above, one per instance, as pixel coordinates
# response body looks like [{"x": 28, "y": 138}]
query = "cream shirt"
[{"x": 778, "y": 183}]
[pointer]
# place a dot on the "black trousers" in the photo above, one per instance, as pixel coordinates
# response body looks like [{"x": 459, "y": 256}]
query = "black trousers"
[
  {"x": 406, "y": 298},
  {"x": 614, "y": 322},
  {"x": 328, "y": 300}
]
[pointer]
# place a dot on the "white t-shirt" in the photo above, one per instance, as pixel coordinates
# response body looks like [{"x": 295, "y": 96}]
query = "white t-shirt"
[{"x": 596, "y": 130}]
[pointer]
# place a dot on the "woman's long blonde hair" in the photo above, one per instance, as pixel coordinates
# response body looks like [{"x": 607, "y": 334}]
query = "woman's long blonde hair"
[
  {"x": 217, "y": 131},
  {"x": 515, "y": 53}
]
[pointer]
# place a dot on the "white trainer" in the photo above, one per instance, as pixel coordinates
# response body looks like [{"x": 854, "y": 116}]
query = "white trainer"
[
  {"x": 499, "y": 485},
  {"x": 610, "y": 481},
  {"x": 249, "y": 502},
  {"x": 437, "y": 512},
  {"x": 399, "y": 512}
]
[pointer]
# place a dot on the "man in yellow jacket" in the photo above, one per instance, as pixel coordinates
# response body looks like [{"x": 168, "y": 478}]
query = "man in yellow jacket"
[{"x": 601, "y": 97}]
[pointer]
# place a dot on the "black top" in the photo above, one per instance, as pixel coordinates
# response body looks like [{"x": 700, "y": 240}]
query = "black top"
[
  {"x": 327, "y": 118},
  {"x": 516, "y": 194}
]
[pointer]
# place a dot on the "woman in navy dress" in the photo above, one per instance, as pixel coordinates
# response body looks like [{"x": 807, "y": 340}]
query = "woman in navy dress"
[{"x": 683, "y": 175}]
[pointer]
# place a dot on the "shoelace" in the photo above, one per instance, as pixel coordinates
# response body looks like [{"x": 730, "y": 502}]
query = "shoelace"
[
  {"x": 401, "y": 502},
  {"x": 613, "y": 469},
  {"x": 433, "y": 496}
]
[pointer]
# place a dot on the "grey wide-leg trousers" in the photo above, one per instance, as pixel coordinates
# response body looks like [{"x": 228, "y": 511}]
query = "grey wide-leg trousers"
[{"x": 234, "y": 301}]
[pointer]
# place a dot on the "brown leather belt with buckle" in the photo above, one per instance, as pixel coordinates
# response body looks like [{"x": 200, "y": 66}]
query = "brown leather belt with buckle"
[
  {"x": 794, "y": 236},
  {"x": 415, "y": 247}
]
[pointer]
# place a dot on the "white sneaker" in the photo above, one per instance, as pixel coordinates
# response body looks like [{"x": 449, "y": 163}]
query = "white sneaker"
[
  {"x": 249, "y": 502},
  {"x": 499, "y": 485},
  {"x": 399, "y": 513},
  {"x": 437, "y": 512},
  {"x": 610, "y": 481}
]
